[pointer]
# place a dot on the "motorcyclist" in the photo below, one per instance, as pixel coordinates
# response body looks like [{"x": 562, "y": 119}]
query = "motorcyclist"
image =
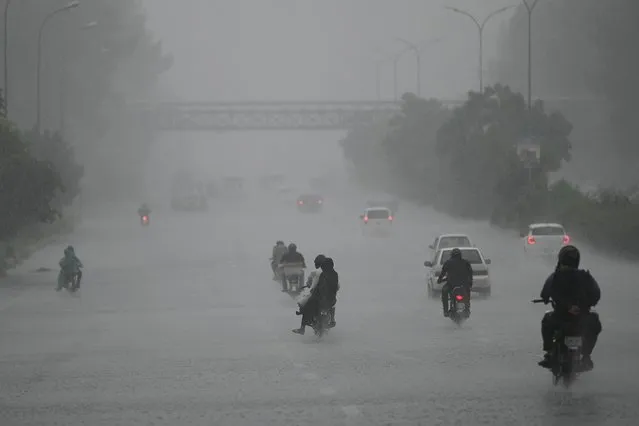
[
  {"x": 307, "y": 310},
  {"x": 457, "y": 272},
  {"x": 279, "y": 249},
  {"x": 291, "y": 256},
  {"x": 574, "y": 292},
  {"x": 144, "y": 210},
  {"x": 323, "y": 296},
  {"x": 69, "y": 265}
]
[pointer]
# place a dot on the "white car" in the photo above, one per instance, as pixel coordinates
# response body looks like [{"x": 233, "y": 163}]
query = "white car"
[
  {"x": 545, "y": 239},
  {"x": 377, "y": 221},
  {"x": 481, "y": 276},
  {"x": 450, "y": 241}
]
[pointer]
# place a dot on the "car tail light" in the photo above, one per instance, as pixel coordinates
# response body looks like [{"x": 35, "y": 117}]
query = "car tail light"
[
  {"x": 459, "y": 297},
  {"x": 390, "y": 218},
  {"x": 566, "y": 239},
  {"x": 531, "y": 240},
  {"x": 300, "y": 202},
  {"x": 365, "y": 219},
  {"x": 319, "y": 201}
]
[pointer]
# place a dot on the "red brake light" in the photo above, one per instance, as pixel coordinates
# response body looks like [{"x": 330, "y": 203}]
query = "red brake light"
[
  {"x": 566, "y": 239},
  {"x": 365, "y": 219},
  {"x": 459, "y": 297},
  {"x": 390, "y": 218},
  {"x": 531, "y": 240},
  {"x": 319, "y": 201},
  {"x": 145, "y": 218},
  {"x": 300, "y": 202}
]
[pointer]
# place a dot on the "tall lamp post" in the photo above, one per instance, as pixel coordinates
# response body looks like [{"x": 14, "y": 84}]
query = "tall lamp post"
[
  {"x": 530, "y": 7},
  {"x": 69, "y": 6},
  {"x": 480, "y": 27},
  {"x": 417, "y": 50},
  {"x": 6, "y": 62}
]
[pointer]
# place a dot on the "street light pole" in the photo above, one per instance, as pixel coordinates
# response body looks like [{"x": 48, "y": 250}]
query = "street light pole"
[
  {"x": 39, "y": 65},
  {"x": 480, "y": 27},
  {"x": 415, "y": 49},
  {"x": 6, "y": 62},
  {"x": 530, "y": 7}
]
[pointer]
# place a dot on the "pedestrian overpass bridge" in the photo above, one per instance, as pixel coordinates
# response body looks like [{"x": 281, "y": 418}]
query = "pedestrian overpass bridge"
[{"x": 275, "y": 115}]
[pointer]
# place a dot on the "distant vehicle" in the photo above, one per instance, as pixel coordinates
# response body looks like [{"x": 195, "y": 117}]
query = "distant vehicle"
[
  {"x": 481, "y": 277},
  {"x": 392, "y": 205},
  {"x": 544, "y": 240},
  {"x": 310, "y": 203},
  {"x": 377, "y": 221},
  {"x": 450, "y": 241}
]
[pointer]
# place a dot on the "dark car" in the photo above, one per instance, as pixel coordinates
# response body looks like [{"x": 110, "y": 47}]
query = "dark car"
[{"x": 310, "y": 203}]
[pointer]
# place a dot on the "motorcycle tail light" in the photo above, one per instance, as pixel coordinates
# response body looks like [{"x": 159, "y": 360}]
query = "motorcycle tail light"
[{"x": 459, "y": 297}]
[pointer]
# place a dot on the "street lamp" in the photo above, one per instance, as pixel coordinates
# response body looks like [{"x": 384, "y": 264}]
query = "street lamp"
[
  {"x": 530, "y": 7},
  {"x": 395, "y": 59},
  {"x": 69, "y": 6},
  {"x": 417, "y": 50},
  {"x": 480, "y": 27},
  {"x": 63, "y": 82},
  {"x": 6, "y": 62},
  {"x": 414, "y": 48}
]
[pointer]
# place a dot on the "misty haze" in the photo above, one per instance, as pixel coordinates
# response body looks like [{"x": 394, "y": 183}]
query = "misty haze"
[{"x": 319, "y": 212}]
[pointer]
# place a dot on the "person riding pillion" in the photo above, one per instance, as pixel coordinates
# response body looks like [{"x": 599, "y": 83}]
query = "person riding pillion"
[
  {"x": 574, "y": 292},
  {"x": 457, "y": 272},
  {"x": 69, "y": 266}
]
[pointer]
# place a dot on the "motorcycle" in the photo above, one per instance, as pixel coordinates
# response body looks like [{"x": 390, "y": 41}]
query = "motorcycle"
[
  {"x": 293, "y": 274},
  {"x": 144, "y": 220},
  {"x": 459, "y": 305},
  {"x": 566, "y": 351},
  {"x": 72, "y": 284},
  {"x": 322, "y": 323}
]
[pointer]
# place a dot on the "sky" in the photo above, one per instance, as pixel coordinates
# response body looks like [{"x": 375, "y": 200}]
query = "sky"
[{"x": 319, "y": 49}]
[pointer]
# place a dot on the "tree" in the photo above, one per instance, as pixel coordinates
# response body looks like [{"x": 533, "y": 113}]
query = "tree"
[
  {"x": 478, "y": 146},
  {"x": 52, "y": 148},
  {"x": 28, "y": 186}
]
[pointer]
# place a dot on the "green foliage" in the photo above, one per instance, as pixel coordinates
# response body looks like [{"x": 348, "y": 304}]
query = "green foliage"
[
  {"x": 27, "y": 186},
  {"x": 52, "y": 148}
]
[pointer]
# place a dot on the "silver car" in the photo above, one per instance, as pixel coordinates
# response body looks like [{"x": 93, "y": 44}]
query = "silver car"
[{"x": 481, "y": 276}]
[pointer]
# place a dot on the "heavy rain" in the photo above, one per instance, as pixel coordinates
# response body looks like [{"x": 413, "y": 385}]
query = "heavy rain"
[{"x": 152, "y": 153}]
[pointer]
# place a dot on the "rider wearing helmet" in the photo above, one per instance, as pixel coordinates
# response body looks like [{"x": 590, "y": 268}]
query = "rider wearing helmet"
[
  {"x": 69, "y": 265},
  {"x": 279, "y": 249},
  {"x": 144, "y": 210},
  {"x": 291, "y": 256},
  {"x": 574, "y": 292},
  {"x": 456, "y": 272}
]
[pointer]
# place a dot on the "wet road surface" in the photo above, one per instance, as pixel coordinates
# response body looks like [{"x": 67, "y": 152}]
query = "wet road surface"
[{"x": 180, "y": 324}]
